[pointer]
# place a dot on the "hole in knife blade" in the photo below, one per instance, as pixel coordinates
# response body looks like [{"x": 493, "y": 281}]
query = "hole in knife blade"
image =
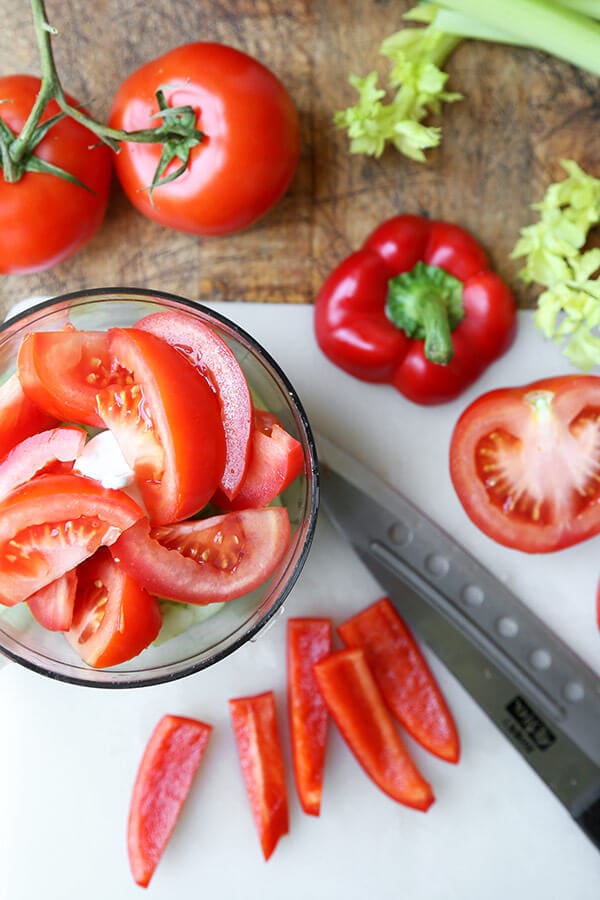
[
  {"x": 541, "y": 659},
  {"x": 507, "y": 627},
  {"x": 437, "y": 565},
  {"x": 400, "y": 534},
  {"x": 573, "y": 691},
  {"x": 472, "y": 595}
]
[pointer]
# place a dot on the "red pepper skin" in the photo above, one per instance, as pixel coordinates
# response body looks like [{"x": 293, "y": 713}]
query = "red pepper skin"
[
  {"x": 404, "y": 677},
  {"x": 357, "y": 707},
  {"x": 163, "y": 781},
  {"x": 254, "y": 723},
  {"x": 354, "y": 332},
  {"x": 308, "y": 641}
]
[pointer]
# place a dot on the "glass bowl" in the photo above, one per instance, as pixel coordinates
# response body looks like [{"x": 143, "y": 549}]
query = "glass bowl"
[{"x": 204, "y": 643}]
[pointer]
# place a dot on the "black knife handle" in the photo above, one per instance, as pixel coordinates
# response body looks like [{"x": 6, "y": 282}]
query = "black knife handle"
[{"x": 589, "y": 819}]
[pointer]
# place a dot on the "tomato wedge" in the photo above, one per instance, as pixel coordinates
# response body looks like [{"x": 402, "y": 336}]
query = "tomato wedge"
[
  {"x": 276, "y": 459},
  {"x": 403, "y": 676},
  {"x": 254, "y": 721},
  {"x": 524, "y": 462},
  {"x": 52, "y": 606},
  {"x": 358, "y": 709},
  {"x": 51, "y": 524},
  {"x": 308, "y": 641},
  {"x": 164, "y": 778},
  {"x": 62, "y": 371},
  {"x": 114, "y": 619},
  {"x": 19, "y": 416},
  {"x": 206, "y": 560},
  {"x": 216, "y": 361},
  {"x": 39, "y": 452},
  {"x": 167, "y": 423}
]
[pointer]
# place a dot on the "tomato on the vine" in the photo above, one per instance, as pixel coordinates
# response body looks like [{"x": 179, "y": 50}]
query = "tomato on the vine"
[
  {"x": 45, "y": 218},
  {"x": 250, "y": 147}
]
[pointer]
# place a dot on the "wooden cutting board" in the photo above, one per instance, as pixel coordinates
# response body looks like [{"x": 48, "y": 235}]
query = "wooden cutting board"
[{"x": 522, "y": 112}]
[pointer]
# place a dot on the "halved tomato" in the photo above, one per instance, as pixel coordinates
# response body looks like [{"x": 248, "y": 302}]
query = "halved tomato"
[
  {"x": 216, "y": 361},
  {"x": 114, "y": 619},
  {"x": 19, "y": 416},
  {"x": 37, "y": 453},
  {"x": 525, "y": 463},
  {"x": 206, "y": 560},
  {"x": 62, "y": 371},
  {"x": 51, "y": 524},
  {"x": 52, "y": 606},
  {"x": 167, "y": 423},
  {"x": 276, "y": 459}
]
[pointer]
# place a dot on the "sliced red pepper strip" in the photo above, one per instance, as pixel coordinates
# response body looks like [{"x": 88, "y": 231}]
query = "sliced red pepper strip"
[
  {"x": 163, "y": 781},
  {"x": 358, "y": 709},
  {"x": 308, "y": 641},
  {"x": 254, "y": 723},
  {"x": 404, "y": 677}
]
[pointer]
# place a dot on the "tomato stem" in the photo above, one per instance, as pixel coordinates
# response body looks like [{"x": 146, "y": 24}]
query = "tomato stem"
[{"x": 177, "y": 133}]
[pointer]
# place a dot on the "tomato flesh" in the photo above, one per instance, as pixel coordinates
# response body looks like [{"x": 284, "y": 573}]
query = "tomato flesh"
[
  {"x": 216, "y": 362},
  {"x": 51, "y": 524},
  {"x": 276, "y": 459},
  {"x": 20, "y": 417},
  {"x": 38, "y": 453},
  {"x": 206, "y": 560},
  {"x": 167, "y": 423},
  {"x": 62, "y": 371},
  {"x": 525, "y": 463},
  {"x": 52, "y": 606},
  {"x": 114, "y": 619}
]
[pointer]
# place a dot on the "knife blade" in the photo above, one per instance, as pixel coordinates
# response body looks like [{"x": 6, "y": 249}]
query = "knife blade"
[{"x": 543, "y": 698}]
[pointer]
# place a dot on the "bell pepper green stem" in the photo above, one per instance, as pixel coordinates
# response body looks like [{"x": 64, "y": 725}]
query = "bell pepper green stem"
[
  {"x": 426, "y": 303},
  {"x": 438, "y": 340}
]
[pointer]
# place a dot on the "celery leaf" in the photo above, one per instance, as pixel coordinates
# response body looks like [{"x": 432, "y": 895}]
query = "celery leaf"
[
  {"x": 416, "y": 89},
  {"x": 553, "y": 248}
]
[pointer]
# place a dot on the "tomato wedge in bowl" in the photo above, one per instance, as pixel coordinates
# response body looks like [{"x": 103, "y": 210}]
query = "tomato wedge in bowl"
[{"x": 239, "y": 592}]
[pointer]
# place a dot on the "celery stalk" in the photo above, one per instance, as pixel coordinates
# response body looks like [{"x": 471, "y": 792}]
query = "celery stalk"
[
  {"x": 586, "y": 7},
  {"x": 460, "y": 25},
  {"x": 565, "y": 33}
]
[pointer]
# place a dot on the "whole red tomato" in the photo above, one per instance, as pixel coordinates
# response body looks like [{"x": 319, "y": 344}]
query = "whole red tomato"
[
  {"x": 43, "y": 217},
  {"x": 249, "y": 152}
]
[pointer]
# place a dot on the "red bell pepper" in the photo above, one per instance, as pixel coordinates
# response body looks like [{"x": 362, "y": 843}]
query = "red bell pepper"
[
  {"x": 358, "y": 709},
  {"x": 254, "y": 723},
  {"x": 308, "y": 641},
  {"x": 417, "y": 307},
  {"x": 163, "y": 781},
  {"x": 404, "y": 677}
]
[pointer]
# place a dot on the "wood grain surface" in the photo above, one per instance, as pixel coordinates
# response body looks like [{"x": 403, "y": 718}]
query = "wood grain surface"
[{"x": 522, "y": 112}]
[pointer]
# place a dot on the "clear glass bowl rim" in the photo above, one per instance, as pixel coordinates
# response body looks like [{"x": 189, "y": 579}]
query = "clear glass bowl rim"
[{"x": 133, "y": 679}]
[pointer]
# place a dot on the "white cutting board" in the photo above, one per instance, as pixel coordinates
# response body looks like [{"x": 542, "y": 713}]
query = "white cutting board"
[{"x": 68, "y": 755}]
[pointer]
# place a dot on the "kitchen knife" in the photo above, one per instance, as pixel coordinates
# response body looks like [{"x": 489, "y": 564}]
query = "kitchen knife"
[{"x": 538, "y": 692}]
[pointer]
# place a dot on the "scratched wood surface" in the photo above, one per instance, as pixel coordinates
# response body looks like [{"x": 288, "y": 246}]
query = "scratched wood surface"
[{"x": 522, "y": 112}]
